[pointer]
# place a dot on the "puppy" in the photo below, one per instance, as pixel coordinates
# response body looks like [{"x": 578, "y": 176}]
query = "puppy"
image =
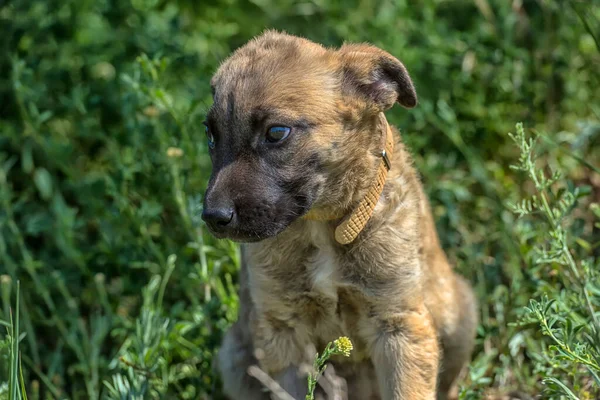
[{"x": 338, "y": 235}]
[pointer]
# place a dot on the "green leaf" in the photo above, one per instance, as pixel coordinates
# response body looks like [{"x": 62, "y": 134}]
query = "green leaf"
[
  {"x": 43, "y": 182},
  {"x": 564, "y": 389},
  {"x": 27, "y": 158}
]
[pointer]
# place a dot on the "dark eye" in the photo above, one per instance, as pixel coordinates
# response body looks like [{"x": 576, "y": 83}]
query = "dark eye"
[
  {"x": 209, "y": 136},
  {"x": 277, "y": 133}
]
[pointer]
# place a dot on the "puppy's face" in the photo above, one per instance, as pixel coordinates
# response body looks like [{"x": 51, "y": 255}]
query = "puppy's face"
[{"x": 291, "y": 130}]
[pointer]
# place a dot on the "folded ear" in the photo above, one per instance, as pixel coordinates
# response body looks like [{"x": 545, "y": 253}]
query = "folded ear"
[{"x": 376, "y": 75}]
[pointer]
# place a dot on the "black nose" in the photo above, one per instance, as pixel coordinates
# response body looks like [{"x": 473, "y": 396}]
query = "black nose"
[{"x": 218, "y": 218}]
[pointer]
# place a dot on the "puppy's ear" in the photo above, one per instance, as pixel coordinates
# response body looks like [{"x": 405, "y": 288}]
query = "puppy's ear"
[{"x": 376, "y": 75}]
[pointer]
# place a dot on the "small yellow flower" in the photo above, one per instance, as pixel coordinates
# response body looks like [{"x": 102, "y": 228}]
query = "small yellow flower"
[
  {"x": 174, "y": 152},
  {"x": 151, "y": 111},
  {"x": 343, "y": 346}
]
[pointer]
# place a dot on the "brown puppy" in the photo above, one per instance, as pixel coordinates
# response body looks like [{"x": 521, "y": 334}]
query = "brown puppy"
[{"x": 296, "y": 134}]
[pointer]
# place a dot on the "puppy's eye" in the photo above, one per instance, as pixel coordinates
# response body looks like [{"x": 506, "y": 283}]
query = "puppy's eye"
[
  {"x": 277, "y": 133},
  {"x": 209, "y": 136}
]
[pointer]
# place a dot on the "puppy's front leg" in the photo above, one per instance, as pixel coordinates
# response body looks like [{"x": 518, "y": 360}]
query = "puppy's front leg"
[
  {"x": 406, "y": 355},
  {"x": 280, "y": 355}
]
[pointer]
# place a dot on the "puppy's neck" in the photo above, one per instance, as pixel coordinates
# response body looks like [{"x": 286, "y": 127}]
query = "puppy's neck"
[{"x": 353, "y": 222}]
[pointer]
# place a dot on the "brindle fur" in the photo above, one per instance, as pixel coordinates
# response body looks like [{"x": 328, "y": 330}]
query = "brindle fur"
[{"x": 392, "y": 291}]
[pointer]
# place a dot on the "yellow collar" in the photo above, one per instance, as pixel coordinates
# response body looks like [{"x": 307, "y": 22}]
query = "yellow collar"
[{"x": 352, "y": 224}]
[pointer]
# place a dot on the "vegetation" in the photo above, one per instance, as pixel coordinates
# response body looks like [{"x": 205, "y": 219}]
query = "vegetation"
[
  {"x": 103, "y": 163},
  {"x": 340, "y": 347}
]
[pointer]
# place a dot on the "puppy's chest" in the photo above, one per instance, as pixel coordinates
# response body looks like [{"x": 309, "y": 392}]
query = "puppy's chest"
[
  {"x": 308, "y": 291},
  {"x": 328, "y": 303},
  {"x": 308, "y": 278},
  {"x": 322, "y": 265}
]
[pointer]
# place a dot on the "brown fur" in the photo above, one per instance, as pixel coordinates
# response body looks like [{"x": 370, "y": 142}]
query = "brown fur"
[{"x": 392, "y": 292}]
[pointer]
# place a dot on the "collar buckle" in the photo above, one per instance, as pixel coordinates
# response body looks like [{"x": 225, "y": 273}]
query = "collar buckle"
[{"x": 386, "y": 159}]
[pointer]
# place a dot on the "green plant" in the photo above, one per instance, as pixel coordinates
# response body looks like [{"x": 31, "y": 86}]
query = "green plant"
[
  {"x": 569, "y": 288},
  {"x": 149, "y": 357},
  {"x": 14, "y": 389},
  {"x": 339, "y": 347}
]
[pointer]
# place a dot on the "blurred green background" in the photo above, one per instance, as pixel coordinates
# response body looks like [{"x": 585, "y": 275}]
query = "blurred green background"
[{"x": 103, "y": 164}]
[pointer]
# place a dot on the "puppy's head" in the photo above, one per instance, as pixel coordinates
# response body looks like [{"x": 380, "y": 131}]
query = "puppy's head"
[{"x": 295, "y": 128}]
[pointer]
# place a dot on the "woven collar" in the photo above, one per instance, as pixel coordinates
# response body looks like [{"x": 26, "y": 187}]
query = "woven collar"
[{"x": 352, "y": 224}]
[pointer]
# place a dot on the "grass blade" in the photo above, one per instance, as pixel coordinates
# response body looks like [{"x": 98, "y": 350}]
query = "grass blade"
[
  {"x": 13, "y": 386},
  {"x": 23, "y": 389}
]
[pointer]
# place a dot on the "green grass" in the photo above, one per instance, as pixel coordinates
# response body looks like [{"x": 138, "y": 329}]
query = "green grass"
[
  {"x": 103, "y": 165},
  {"x": 14, "y": 388},
  {"x": 564, "y": 307}
]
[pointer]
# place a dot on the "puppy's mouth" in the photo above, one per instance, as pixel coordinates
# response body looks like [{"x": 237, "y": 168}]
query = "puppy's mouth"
[
  {"x": 244, "y": 229},
  {"x": 248, "y": 235},
  {"x": 240, "y": 236}
]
